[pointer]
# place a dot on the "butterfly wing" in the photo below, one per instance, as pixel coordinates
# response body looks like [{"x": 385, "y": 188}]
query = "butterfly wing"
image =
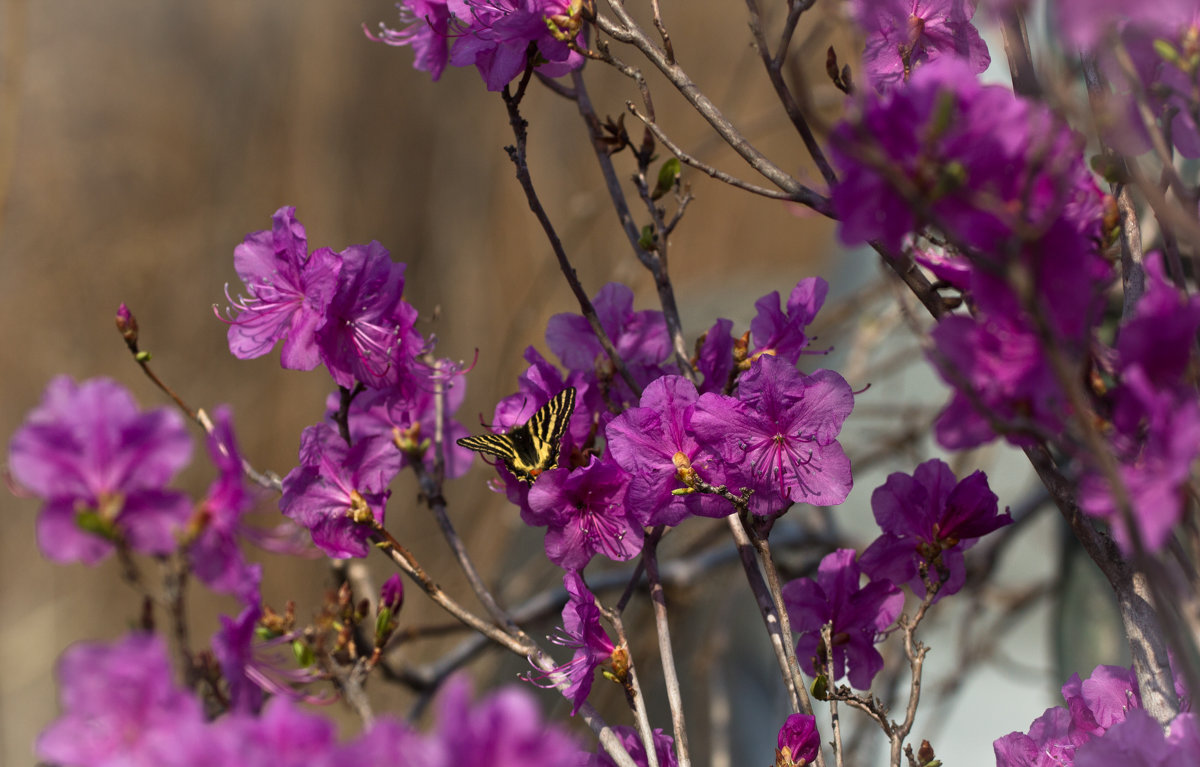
[
  {"x": 531, "y": 448},
  {"x": 546, "y": 429},
  {"x": 499, "y": 445}
]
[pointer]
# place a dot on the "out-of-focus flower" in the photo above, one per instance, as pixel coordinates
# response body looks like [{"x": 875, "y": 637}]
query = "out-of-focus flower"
[{"x": 101, "y": 466}]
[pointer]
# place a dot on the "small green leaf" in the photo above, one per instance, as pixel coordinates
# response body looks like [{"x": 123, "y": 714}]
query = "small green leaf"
[
  {"x": 1166, "y": 51},
  {"x": 668, "y": 174},
  {"x": 820, "y": 688},
  {"x": 303, "y": 653},
  {"x": 648, "y": 239}
]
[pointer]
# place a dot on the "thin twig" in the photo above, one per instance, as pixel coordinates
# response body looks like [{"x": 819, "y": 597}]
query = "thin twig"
[
  {"x": 629, "y": 32},
  {"x": 835, "y": 719},
  {"x": 653, "y": 263},
  {"x": 774, "y": 67},
  {"x": 517, "y": 154},
  {"x": 633, "y": 691},
  {"x": 763, "y": 549},
  {"x": 666, "y": 653},
  {"x": 813, "y": 200}
]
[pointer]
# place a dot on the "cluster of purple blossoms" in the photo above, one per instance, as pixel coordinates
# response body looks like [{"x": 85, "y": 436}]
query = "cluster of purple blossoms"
[
  {"x": 347, "y": 311},
  {"x": 494, "y": 36},
  {"x": 1154, "y": 413},
  {"x": 121, "y": 707},
  {"x": 1102, "y": 724},
  {"x": 1007, "y": 185},
  {"x": 928, "y": 519},
  {"x": 903, "y": 35},
  {"x": 102, "y": 466},
  {"x": 774, "y": 436},
  {"x": 1160, "y": 41}
]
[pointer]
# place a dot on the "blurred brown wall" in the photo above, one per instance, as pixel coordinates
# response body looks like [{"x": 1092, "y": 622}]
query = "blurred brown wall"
[{"x": 142, "y": 140}]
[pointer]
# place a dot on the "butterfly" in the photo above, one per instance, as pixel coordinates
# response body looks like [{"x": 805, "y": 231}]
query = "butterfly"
[{"x": 531, "y": 448}]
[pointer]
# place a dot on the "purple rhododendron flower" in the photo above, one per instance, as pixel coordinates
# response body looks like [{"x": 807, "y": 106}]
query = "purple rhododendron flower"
[
  {"x": 1097, "y": 707},
  {"x": 1139, "y": 741},
  {"x": 582, "y": 631},
  {"x": 1164, "y": 83},
  {"x": 289, "y": 292},
  {"x": 368, "y": 336},
  {"x": 232, "y": 646},
  {"x": 426, "y": 29},
  {"x": 799, "y": 741},
  {"x": 645, "y": 441},
  {"x": 504, "y": 729},
  {"x": 215, "y": 555},
  {"x": 333, "y": 482},
  {"x": 782, "y": 334},
  {"x": 389, "y": 743},
  {"x": 903, "y": 35},
  {"x": 858, "y": 614},
  {"x": 287, "y": 735},
  {"x": 1048, "y": 743},
  {"x": 495, "y": 36},
  {"x": 115, "y": 699},
  {"x": 929, "y": 517},
  {"x": 664, "y": 749},
  {"x": 714, "y": 358},
  {"x": 1000, "y": 362},
  {"x": 584, "y": 513},
  {"x": 1155, "y": 414},
  {"x": 1154, "y": 469},
  {"x": 640, "y": 339},
  {"x": 412, "y": 416},
  {"x": 992, "y": 171},
  {"x": 101, "y": 464},
  {"x": 253, "y": 665},
  {"x": 1101, "y": 700},
  {"x": 779, "y": 437}
]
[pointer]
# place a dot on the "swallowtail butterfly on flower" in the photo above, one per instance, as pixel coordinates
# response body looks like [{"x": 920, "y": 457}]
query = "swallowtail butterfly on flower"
[{"x": 531, "y": 448}]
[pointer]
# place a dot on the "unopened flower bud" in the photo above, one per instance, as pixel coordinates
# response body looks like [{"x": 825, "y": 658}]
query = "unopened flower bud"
[
  {"x": 683, "y": 469},
  {"x": 798, "y": 741},
  {"x": 127, "y": 325},
  {"x": 392, "y": 593}
]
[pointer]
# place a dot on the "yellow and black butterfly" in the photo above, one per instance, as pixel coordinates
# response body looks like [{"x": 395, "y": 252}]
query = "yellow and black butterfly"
[{"x": 531, "y": 448}]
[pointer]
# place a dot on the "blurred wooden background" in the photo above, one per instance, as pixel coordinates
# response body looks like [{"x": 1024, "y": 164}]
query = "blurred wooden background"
[{"x": 139, "y": 142}]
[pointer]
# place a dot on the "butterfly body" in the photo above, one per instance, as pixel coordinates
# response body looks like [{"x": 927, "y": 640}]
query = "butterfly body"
[{"x": 531, "y": 448}]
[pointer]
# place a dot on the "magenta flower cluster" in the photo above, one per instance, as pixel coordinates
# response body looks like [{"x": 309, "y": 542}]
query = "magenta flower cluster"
[
  {"x": 928, "y": 519},
  {"x": 1102, "y": 724},
  {"x": 346, "y": 310},
  {"x": 1003, "y": 187},
  {"x": 493, "y": 36},
  {"x": 1160, "y": 41},
  {"x": 102, "y": 466},
  {"x": 122, "y": 707},
  {"x": 774, "y": 437}
]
